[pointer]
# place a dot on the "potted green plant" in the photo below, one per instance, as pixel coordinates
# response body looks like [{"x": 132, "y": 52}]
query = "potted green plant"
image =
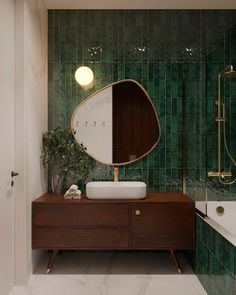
[{"x": 66, "y": 160}]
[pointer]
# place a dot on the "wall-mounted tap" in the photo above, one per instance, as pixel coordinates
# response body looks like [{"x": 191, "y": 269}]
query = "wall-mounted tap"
[{"x": 116, "y": 173}]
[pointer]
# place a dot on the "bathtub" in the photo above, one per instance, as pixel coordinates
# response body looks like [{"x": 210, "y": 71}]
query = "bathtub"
[
  {"x": 215, "y": 255},
  {"x": 224, "y": 223}
]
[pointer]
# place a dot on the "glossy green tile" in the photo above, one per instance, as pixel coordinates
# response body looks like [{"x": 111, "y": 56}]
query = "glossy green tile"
[
  {"x": 109, "y": 36},
  {"x": 234, "y": 251},
  {"x": 156, "y": 35},
  {"x": 230, "y": 260},
  {"x": 50, "y": 104},
  {"x": 202, "y": 256},
  {"x": 50, "y": 44},
  {"x": 160, "y": 54},
  {"x": 122, "y": 173},
  {"x": 134, "y": 174},
  {"x": 220, "y": 260}
]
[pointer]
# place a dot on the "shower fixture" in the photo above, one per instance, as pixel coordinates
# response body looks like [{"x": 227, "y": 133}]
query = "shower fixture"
[{"x": 228, "y": 72}]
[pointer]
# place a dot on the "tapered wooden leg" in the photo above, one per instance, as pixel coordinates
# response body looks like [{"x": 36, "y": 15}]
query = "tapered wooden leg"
[
  {"x": 52, "y": 259},
  {"x": 176, "y": 260}
]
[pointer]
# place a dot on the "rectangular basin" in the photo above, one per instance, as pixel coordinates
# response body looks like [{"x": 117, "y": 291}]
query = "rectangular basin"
[{"x": 116, "y": 190}]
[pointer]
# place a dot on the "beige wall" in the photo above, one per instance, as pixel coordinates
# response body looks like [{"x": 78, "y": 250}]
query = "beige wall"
[{"x": 30, "y": 122}]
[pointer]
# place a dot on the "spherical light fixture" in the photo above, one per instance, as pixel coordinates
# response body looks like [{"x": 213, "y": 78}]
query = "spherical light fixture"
[{"x": 84, "y": 76}]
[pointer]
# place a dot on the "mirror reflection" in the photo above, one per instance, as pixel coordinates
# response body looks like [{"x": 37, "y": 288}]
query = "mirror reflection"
[{"x": 117, "y": 124}]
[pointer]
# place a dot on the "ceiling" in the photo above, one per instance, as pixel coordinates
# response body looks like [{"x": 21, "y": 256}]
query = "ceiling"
[{"x": 140, "y": 4}]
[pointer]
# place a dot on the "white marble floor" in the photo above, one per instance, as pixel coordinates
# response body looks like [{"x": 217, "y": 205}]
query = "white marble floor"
[
  {"x": 113, "y": 273},
  {"x": 113, "y": 262}
]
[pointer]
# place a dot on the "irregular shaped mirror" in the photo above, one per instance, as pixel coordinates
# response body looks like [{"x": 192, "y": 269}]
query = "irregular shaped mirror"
[{"x": 118, "y": 124}]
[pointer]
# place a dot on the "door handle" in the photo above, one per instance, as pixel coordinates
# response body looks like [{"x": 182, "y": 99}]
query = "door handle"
[{"x": 13, "y": 174}]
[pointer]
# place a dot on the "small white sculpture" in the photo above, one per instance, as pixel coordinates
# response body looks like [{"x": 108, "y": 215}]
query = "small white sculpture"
[{"x": 73, "y": 192}]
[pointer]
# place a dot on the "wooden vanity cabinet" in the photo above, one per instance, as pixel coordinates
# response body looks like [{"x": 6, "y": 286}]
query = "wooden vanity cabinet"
[
  {"x": 69, "y": 224},
  {"x": 163, "y": 226},
  {"x": 160, "y": 221}
]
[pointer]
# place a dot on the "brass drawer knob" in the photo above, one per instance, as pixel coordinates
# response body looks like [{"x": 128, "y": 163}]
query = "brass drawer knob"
[{"x": 137, "y": 212}]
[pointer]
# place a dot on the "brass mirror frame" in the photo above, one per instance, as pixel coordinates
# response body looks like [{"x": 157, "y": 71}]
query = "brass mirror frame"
[{"x": 148, "y": 97}]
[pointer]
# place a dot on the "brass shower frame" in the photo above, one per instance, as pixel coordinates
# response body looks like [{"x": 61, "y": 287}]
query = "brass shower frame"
[{"x": 220, "y": 118}]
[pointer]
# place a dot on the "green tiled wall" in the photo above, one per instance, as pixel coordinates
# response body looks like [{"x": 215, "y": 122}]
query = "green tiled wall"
[
  {"x": 214, "y": 260},
  {"x": 160, "y": 49}
]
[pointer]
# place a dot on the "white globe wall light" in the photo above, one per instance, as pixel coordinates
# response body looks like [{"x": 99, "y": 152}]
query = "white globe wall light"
[{"x": 84, "y": 76}]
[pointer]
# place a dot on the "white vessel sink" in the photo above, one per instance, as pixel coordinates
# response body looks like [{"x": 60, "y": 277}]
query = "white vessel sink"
[{"x": 115, "y": 190}]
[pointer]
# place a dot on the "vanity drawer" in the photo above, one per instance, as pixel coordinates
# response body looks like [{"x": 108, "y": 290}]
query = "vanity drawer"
[
  {"x": 79, "y": 214},
  {"x": 72, "y": 238}
]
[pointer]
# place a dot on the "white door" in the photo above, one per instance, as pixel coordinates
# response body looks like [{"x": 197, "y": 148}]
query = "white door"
[{"x": 6, "y": 145}]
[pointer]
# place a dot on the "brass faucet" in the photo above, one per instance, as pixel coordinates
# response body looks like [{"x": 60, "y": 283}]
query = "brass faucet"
[{"x": 116, "y": 173}]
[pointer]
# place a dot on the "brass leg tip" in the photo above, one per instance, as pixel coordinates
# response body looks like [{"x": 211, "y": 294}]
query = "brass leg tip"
[
  {"x": 48, "y": 270},
  {"x": 179, "y": 270}
]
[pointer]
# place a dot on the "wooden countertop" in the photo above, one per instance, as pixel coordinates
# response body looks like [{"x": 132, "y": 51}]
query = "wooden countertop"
[{"x": 152, "y": 197}]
